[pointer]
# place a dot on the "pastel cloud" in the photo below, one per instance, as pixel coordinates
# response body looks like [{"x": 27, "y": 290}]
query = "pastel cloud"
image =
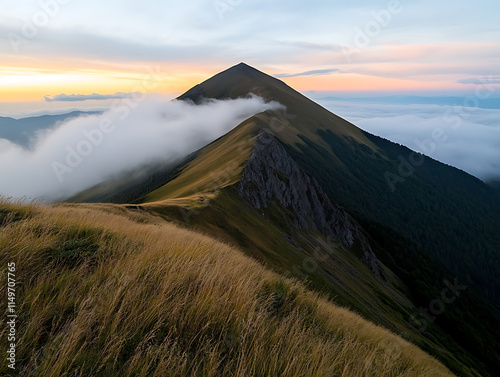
[
  {"x": 480, "y": 80},
  {"x": 85, "y": 97},
  {"x": 316, "y": 72},
  {"x": 424, "y": 42}
]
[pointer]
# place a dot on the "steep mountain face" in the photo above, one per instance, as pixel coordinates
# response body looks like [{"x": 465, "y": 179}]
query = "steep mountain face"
[{"x": 270, "y": 174}]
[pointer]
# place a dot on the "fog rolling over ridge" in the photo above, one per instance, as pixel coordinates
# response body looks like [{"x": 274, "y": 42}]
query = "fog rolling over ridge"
[{"x": 88, "y": 150}]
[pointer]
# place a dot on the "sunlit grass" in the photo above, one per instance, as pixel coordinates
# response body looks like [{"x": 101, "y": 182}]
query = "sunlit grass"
[{"x": 124, "y": 294}]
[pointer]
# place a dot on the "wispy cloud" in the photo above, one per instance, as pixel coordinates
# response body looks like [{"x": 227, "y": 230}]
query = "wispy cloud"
[
  {"x": 85, "y": 97},
  {"x": 316, "y": 72},
  {"x": 480, "y": 80},
  {"x": 313, "y": 46}
]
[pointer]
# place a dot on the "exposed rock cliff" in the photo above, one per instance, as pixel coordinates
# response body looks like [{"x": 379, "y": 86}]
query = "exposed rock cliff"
[{"x": 271, "y": 174}]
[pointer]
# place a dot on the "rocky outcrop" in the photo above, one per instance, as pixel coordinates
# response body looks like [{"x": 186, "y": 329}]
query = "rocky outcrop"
[{"x": 271, "y": 174}]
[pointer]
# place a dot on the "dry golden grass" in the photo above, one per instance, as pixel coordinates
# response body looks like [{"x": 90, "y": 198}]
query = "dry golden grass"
[
  {"x": 105, "y": 292},
  {"x": 218, "y": 165}
]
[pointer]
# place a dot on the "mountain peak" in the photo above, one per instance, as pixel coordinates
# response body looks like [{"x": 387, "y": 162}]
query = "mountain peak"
[
  {"x": 243, "y": 70},
  {"x": 236, "y": 81},
  {"x": 243, "y": 67}
]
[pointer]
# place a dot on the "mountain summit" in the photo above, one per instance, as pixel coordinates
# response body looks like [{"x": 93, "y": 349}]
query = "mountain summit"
[
  {"x": 303, "y": 116},
  {"x": 234, "y": 82}
]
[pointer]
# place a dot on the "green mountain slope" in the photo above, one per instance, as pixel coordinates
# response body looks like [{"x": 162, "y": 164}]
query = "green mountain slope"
[
  {"x": 214, "y": 204},
  {"x": 453, "y": 216}
]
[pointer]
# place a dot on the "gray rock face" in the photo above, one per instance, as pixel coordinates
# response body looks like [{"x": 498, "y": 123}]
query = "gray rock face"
[{"x": 271, "y": 174}]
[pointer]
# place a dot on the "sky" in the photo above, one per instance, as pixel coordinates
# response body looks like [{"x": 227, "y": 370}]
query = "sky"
[
  {"x": 400, "y": 57},
  {"x": 72, "y": 47}
]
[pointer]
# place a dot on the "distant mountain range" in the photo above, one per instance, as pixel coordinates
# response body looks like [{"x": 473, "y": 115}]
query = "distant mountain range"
[{"x": 23, "y": 131}]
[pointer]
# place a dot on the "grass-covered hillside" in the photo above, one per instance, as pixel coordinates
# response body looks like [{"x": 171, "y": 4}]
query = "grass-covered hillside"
[
  {"x": 449, "y": 214},
  {"x": 103, "y": 291}
]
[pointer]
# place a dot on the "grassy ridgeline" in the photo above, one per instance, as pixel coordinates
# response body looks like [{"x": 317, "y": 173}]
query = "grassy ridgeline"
[{"x": 106, "y": 292}]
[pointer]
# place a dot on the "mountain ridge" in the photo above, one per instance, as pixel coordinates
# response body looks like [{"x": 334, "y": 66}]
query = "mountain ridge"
[
  {"x": 348, "y": 164},
  {"x": 351, "y": 165}
]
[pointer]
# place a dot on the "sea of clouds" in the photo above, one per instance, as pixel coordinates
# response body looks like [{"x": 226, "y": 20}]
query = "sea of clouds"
[{"x": 467, "y": 137}]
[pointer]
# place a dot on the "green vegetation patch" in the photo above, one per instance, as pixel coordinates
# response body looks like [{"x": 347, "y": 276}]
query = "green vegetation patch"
[
  {"x": 278, "y": 297},
  {"x": 76, "y": 246},
  {"x": 8, "y": 216}
]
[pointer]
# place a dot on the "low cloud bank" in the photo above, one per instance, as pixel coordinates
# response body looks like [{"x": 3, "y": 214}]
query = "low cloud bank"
[
  {"x": 462, "y": 136},
  {"x": 88, "y": 150}
]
